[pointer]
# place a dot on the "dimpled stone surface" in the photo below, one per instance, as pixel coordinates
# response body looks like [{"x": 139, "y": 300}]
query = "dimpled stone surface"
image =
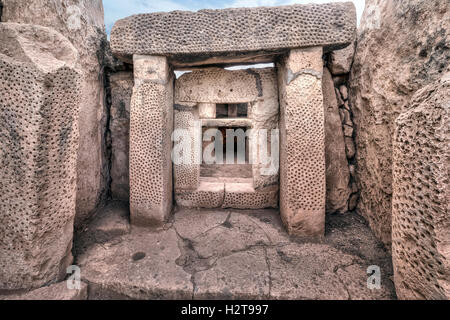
[
  {"x": 302, "y": 147},
  {"x": 421, "y": 193},
  {"x": 39, "y": 105},
  {"x": 228, "y": 30}
]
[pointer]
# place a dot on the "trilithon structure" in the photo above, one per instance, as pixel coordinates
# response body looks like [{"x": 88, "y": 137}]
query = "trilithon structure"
[{"x": 285, "y": 102}]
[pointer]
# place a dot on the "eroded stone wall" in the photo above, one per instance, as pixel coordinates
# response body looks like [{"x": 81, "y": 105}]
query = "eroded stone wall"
[
  {"x": 421, "y": 195},
  {"x": 82, "y": 22},
  {"x": 39, "y": 106},
  {"x": 340, "y": 149},
  {"x": 402, "y": 46}
]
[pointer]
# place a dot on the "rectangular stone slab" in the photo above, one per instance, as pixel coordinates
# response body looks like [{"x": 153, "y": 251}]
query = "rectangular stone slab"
[
  {"x": 151, "y": 125},
  {"x": 302, "y": 143},
  {"x": 206, "y": 32}
]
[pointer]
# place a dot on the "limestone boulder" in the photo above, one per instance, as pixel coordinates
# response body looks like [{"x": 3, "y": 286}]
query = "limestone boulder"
[
  {"x": 402, "y": 46},
  {"x": 340, "y": 61},
  {"x": 39, "y": 106},
  {"x": 337, "y": 172},
  {"x": 421, "y": 194},
  {"x": 82, "y": 22}
]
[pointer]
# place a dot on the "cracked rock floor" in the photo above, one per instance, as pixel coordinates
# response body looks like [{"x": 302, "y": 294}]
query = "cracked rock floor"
[{"x": 228, "y": 254}]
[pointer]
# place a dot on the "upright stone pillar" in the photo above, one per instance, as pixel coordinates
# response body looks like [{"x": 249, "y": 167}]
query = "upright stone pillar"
[
  {"x": 151, "y": 123},
  {"x": 302, "y": 146},
  {"x": 40, "y": 87}
]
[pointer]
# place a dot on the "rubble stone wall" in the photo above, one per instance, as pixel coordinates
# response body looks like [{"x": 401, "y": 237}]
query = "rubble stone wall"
[{"x": 402, "y": 46}]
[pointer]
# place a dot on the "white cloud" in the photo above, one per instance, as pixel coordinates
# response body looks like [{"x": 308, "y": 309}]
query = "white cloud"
[{"x": 118, "y": 9}]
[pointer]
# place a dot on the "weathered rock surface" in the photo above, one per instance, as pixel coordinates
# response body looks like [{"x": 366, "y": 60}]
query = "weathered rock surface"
[
  {"x": 112, "y": 221},
  {"x": 340, "y": 61},
  {"x": 151, "y": 128},
  {"x": 83, "y": 24},
  {"x": 402, "y": 46},
  {"x": 337, "y": 173},
  {"x": 58, "y": 291},
  {"x": 141, "y": 266},
  {"x": 302, "y": 143},
  {"x": 421, "y": 194},
  {"x": 228, "y": 30},
  {"x": 232, "y": 254},
  {"x": 39, "y": 105},
  {"x": 121, "y": 90}
]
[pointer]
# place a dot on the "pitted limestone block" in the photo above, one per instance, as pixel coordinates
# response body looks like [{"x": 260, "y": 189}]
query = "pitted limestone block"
[
  {"x": 420, "y": 209},
  {"x": 82, "y": 23},
  {"x": 188, "y": 135},
  {"x": 244, "y": 196},
  {"x": 207, "y": 110},
  {"x": 264, "y": 153},
  {"x": 121, "y": 90},
  {"x": 208, "y": 195},
  {"x": 394, "y": 58},
  {"x": 216, "y": 85},
  {"x": 302, "y": 145},
  {"x": 151, "y": 122},
  {"x": 227, "y": 123},
  {"x": 150, "y": 68},
  {"x": 228, "y": 30},
  {"x": 39, "y": 105},
  {"x": 341, "y": 60}
]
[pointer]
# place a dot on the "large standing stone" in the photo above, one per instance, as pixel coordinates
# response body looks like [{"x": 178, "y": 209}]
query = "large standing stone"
[
  {"x": 402, "y": 46},
  {"x": 121, "y": 91},
  {"x": 302, "y": 143},
  {"x": 82, "y": 23},
  {"x": 337, "y": 173},
  {"x": 420, "y": 208},
  {"x": 151, "y": 124},
  {"x": 39, "y": 106}
]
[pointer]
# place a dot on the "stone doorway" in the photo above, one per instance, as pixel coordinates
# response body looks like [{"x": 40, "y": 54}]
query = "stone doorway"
[
  {"x": 224, "y": 114},
  {"x": 288, "y": 97},
  {"x": 235, "y": 160}
]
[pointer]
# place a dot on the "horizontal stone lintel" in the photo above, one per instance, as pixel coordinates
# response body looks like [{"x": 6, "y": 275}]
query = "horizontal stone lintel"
[{"x": 331, "y": 25}]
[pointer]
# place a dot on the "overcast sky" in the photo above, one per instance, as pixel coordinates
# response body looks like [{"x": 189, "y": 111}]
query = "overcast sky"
[{"x": 117, "y": 9}]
